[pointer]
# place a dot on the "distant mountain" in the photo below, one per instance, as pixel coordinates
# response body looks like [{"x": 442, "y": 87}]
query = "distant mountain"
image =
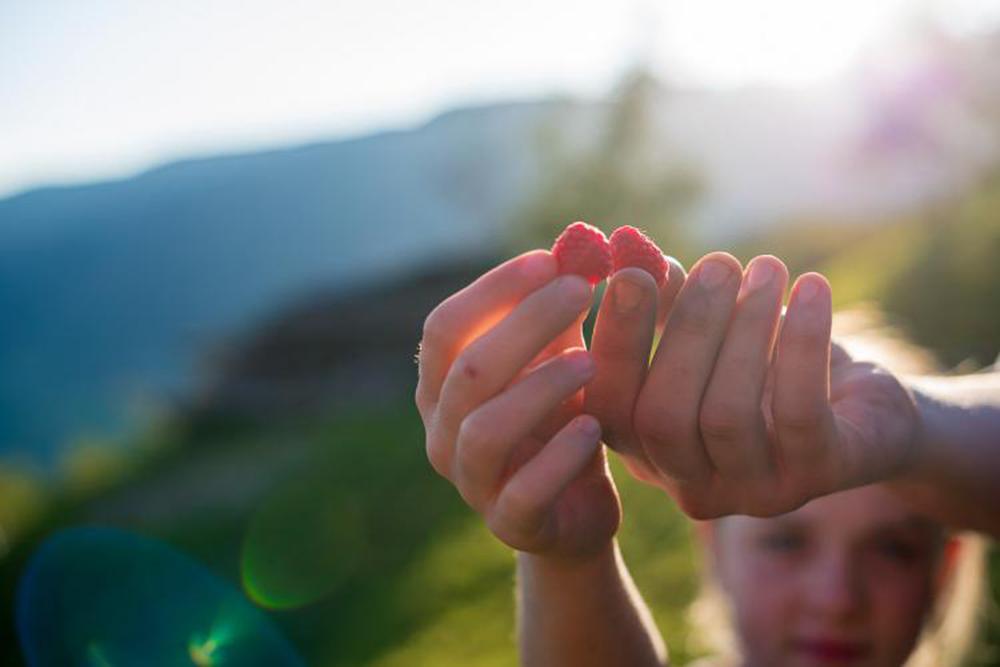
[{"x": 110, "y": 293}]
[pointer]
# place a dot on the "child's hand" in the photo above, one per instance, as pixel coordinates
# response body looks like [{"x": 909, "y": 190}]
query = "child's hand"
[
  {"x": 725, "y": 425},
  {"x": 501, "y": 372}
]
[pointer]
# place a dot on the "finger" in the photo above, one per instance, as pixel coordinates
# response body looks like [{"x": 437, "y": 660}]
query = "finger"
[
  {"x": 552, "y": 422},
  {"x": 800, "y": 404},
  {"x": 491, "y": 361},
  {"x": 622, "y": 338},
  {"x": 876, "y": 424},
  {"x": 839, "y": 356},
  {"x": 472, "y": 310},
  {"x": 488, "y": 434},
  {"x": 676, "y": 275},
  {"x": 666, "y": 416},
  {"x": 523, "y": 509},
  {"x": 731, "y": 421}
]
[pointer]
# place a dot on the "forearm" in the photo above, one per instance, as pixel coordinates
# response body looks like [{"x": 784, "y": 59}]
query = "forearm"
[
  {"x": 583, "y": 614},
  {"x": 956, "y": 474}
]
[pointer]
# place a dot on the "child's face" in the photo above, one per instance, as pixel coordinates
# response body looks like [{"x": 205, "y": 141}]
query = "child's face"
[{"x": 845, "y": 580}]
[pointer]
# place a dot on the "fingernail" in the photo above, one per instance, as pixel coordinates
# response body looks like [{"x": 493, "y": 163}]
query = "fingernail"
[
  {"x": 760, "y": 274},
  {"x": 712, "y": 274},
  {"x": 572, "y": 286},
  {"x": 808, "y": 289},
  {"x": 588, "y": 426},
  {"x": 582, "y": 364},
  {"x": 627, "y": 296},
  {"x": 538, "y": 267}
]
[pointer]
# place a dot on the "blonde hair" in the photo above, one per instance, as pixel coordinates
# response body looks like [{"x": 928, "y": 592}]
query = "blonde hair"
[{"x": 950, "y": 629}]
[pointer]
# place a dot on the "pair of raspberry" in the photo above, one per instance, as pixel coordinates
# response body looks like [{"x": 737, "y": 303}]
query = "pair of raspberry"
[{"x": 585, "y": 250}]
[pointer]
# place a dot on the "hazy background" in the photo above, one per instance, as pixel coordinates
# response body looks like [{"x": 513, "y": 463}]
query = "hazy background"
[{"x": 221, "y": 226}]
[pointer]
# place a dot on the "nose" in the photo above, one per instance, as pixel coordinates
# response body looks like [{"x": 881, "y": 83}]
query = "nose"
[{"x": 835, "y": 587}]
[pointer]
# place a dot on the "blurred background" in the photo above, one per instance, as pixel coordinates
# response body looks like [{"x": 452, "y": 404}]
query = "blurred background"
[{"x": 222, "y": 224}]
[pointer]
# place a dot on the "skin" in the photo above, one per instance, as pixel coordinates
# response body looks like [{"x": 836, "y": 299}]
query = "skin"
[
  {"x": 742, "y": 410},
  {"x": 760, "y": 418},
  {"x": 855, "y": 571},
  {"x": 502, "y": 366}
]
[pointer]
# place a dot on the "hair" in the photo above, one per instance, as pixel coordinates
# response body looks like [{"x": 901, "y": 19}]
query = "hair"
[{"x": 951, "y": 626}]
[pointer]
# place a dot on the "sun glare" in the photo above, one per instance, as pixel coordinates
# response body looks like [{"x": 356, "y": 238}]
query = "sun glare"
[{"x": 728, "y": 42}]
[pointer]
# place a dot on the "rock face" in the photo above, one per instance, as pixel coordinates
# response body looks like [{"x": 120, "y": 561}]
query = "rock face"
[{"x": 333, "y": 350}]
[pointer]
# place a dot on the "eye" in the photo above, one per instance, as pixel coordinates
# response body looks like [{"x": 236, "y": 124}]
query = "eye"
[
  {"x": 898, "y": 550},
  {"x": 783, "y": 542}
]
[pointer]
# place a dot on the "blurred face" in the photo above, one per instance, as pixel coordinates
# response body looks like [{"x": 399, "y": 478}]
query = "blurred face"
[{"x": 845, "y": 580}]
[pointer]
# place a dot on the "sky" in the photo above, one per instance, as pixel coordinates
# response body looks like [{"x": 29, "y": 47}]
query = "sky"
[{"x": 103, "y": 89}]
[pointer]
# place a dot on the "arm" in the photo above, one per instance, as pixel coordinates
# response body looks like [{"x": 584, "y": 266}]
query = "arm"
[
  {"x": 501, "y": 374},
  {"x": 738, "y": 415},
  {"x": 584, "y": 613},
  {"x": 957, "y": 465}
]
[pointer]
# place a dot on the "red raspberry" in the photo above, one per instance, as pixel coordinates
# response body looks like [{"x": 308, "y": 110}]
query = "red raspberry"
[
  {"x": 584, "y": 250},
  {"x": 630, "y": 247}
]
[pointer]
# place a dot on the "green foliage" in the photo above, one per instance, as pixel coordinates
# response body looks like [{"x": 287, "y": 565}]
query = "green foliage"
[
  {"x": 947, "y": 294},
  {"x": 934, "y": 275},
  {"x": 418, "y": 578},
  {"x": 618, "y": 177}
]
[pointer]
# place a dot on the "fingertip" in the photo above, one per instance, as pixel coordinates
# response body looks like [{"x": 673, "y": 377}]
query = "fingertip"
[
  {"x": 588, "y": 427},
  {"x": 676, "y": 273},
  {"x": 723, "y": 257},
  {"x": 811, "y": 290},
  {"x": 809, "y": 314},
  {"x": 538, "y": 266},
  {"x": 773, "y": 262},
  {"x": 576, "y": 290},
  {"x": 630, "y": 289},
  {"x": 582, "y": 360},
  {"x": 635, "y": 275}
]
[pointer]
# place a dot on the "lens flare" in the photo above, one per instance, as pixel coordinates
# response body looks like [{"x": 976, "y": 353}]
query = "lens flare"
[
  {"x": 305, "y": 540},
  {"x": 101, "y": 597}
]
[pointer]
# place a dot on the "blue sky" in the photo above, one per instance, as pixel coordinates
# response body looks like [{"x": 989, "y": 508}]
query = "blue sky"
[{"x": 105, "y": 88}]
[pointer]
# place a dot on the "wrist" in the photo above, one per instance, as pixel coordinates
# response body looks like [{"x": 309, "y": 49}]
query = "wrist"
[
  {"x": 933, "y": 417},
  {"x": 951, "y": 476},
  {"x": 580, "y": 566}
]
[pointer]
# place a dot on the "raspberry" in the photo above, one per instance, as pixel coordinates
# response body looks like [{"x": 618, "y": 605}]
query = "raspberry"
[
  {"x": 630, "y": 247},
  {"x": 584, "y": 250}
]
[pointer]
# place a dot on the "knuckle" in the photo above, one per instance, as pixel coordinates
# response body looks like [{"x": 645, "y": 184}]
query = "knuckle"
[
  {"x": 473, "y": 441},
  {"x": 425, "y": 404},
  {"x": 803, "y": 339},
  {"x": 439, "y": 457},
  {"x": 468, "y": 368},
  {"x": 697, "y": 506},
  {"x": 722, "y": 421},
  {"x": 514, "y": 512},
  {"x": 473, "y": 434},
  {"x": 435, "y": 328},
  {"x": 657, "y": 426},
  {"x": 614, "y": 349},
  {"x": 692, "y": 322},
  {"x": 798, "y": 418},
  {"x": 764, "y": 502}
]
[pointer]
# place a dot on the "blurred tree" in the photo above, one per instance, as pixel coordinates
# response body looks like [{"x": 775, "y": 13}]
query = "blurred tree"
[
  {"x": 947, "y": 295},
  {"x": 622, "y": 174}
]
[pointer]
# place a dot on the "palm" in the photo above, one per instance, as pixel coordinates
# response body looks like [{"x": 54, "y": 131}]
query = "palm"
[
  {"x": 876, "y": 420},
  {"x": 588, "y": 512}
]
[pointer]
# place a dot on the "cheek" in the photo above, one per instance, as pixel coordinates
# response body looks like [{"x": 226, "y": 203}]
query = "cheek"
[
  {"x": 763, "y": 595},
  {"x": 900, "y": 604}
]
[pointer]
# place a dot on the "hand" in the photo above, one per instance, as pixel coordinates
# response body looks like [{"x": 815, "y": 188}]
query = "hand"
[
  {"x": 733, "y": 415},
  {"x": 501, "y": 372}
]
